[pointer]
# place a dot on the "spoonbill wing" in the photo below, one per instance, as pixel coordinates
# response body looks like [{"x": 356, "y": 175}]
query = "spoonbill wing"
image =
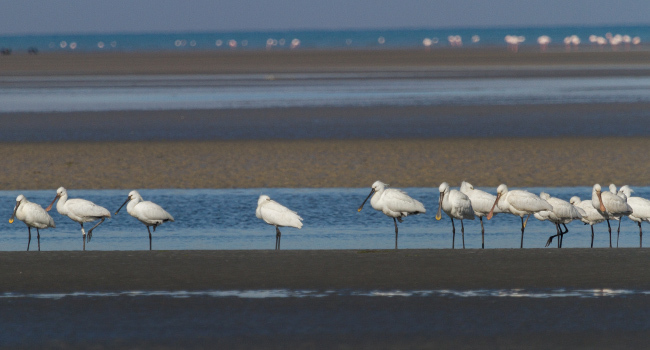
[
  {"x": 150, "y": 211},
  {"x": 274, "y": 213},
  {"x": 84, "y": 208},
  {"x": 398, "y": 201}
]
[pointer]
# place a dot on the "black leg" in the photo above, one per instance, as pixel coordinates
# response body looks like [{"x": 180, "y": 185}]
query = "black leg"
[
  {"x": 278, "y": 234},
  {"x": 29, "y": 240},
  {"x": 462, "y": 230},
  {"x": 482, "y": 233},
  {"x": 83, "y": 235},
  {"x": 395, "y": 221},
  {"x": 150, "y": 235},
  {"x": 592, "y": 235},
  {"x": 90, "y": 232},
  {"x": 640, "y": 236},
  {"x": 610, "y": 233},
  {"x": 523, "y": 226},
  {"x": 453, "y": 233},
  {"x": 38, "y": 238}
]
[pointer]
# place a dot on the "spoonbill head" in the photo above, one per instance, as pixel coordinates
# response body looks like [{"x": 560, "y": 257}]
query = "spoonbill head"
[
  {"x": 79, "y": 210},
  {"x": 33, "y": 215},
  {"x": 393, "y": 203},
  {"x": 456, "y": 205},
  {"x": 148, "y": 213},
  {"x": 275, "y": 214}
]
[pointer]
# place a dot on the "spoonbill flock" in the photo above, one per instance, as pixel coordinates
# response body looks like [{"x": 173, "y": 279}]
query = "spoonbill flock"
[{"x": 466, "y": 203}]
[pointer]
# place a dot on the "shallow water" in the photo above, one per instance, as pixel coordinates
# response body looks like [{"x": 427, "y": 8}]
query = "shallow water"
[
  {"x": 225, "y": 219},
  {"x": 96, "y": 93}
]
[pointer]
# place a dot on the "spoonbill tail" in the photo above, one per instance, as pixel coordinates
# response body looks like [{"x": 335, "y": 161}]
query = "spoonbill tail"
[
  {"x": 79, "y": 210},
  {"x": 520, "y": 203},
  {"x": 562, "y": 213},
  {"x": 33, "y": 215},
  {"x": 481, "y": 203},
  {"x": 149, "y": 213},
  {"x": 591, "y": 217},
  {"x": 609, "y": 205},
  {"x": 640, "y": 210},
  {"x": 456, "y": 205},
  {"x": 393, "y": 203},
  {"x": 274, "y": 213}
]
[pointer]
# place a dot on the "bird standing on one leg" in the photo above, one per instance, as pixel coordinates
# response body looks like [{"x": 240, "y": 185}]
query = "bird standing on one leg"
[
  {"x": 274, "y": 213},
  {"x": 149, "y": 213}
]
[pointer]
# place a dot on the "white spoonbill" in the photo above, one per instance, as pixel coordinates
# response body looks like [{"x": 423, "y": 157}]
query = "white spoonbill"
[
  {"x": 274, "y": 213},
  {"x": 520, "y": 203},
  {"x": 481, "y": 203},
  {"x": 149, "y": 213},
  {"x": 393, "y": 203},
  {"x": 33, "y": 215},
  {"x": 610, "y": 206},
  {"x": 562, "y": 213},
  {"x": 79, "y": 210},
  {"x": 591, "y": 217},
  {"x": 640, "y": 210},
  {"x": 456, "y": 205}
]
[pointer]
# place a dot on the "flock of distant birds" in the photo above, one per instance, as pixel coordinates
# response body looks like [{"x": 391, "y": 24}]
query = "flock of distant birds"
[{"x": 464, "y": 204}]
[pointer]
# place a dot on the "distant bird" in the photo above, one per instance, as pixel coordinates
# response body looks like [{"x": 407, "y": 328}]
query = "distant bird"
[
  {"x": 79, "y": 210},
  {"x": 33, "y": 215},
  {"x": 591, "y": 217},
  {"x": 393, "y": 203},
  {"x": 640, "y": 210},
  {"x": 149, "y": 213},
  {"x": 481, "y": 203},
  {"x": 456, "y": 205},
  {"x": 274, "y": 213},
  {"x": 562, "y": 213},
  {"x": 543, "y": 42},
  {"x": 610, "y": 206},
  {"x": 520, "y": 203}
]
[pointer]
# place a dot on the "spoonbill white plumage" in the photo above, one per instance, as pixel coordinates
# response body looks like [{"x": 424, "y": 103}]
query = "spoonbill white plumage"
[
  {"x": 79, "y": 210},
  {"x": 591, "y": 217},
  {"x": 456, "y": 205},
  {"x": 148, "y": 213},
  {"x": 393, "y": 203},
  {"x": 33, "y": 215},
  {"x": 274, "y": 213},
  {"x": 481, "y": 203},
  {"x": 520, "y": 203},
  {"x": 562, "y": 213},
  {"x": 640, "y": 210},
  {"x": 610, "y": 206}
]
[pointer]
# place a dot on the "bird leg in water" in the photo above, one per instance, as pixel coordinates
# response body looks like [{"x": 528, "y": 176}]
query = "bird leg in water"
[
  {"x": 566, "y": 230},
  {"x": 395, "y": 221},
  {"x": 462, "y": 230},
  {"x": 154, "y": 229},
  {"x": 618, "y": 232},
  {"x": 453, "y": 232},
  {"x": 592, "y": 235},
  {"x": 29, "y": 240},
  {"x": 278, "y": 234},
  {"x": 38, "y": 238},
  {"x": 610, "y": 233},
  {"x": 90, "y": 232},
  {"x": 640, "y": 236},
  {"x": 557, "y": 234},
  {"x": 523, "y": 226},
  {"x": 83, "y": 235},
  {"x": 482, "y": 233}
]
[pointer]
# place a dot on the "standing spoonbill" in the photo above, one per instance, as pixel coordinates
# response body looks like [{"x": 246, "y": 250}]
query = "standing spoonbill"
[
  {"x": 520, "y": 203},
  {"x": 79, "y": 210},
  {"x": 33, "y": 215},
  {"x": 591, "y": 217},
  {"x": 149, "y": 213},
  {"x": 563, "y": 213},
  {"x": 609, "y": 205},
  {"x": 640, "y": 210},
  {"x": 393, "y": 203},
  {"x": 456, "y": 205},
  {"x": 274, "y": 213},
  {"x": 481, "y": 203}
]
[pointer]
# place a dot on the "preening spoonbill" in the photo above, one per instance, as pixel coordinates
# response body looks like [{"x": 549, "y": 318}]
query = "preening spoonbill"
[
  {"x": 393, "y": 203},
  {"x": 520, "y": 203},
  {"x": 149, "y": 213},
  {"x": 79, "y": 210},
  {"x": 562, "y": 213},
  {"x": 481, "y": 203},
  {"x": 591, "y": 217},
  {"x": 610, "y": 206},
  {"x": 456, "y": 205},
  {"x": 274, "y": 213},
  {"x": 640, "y": 210},
  {"x": 33, "y": 215}
]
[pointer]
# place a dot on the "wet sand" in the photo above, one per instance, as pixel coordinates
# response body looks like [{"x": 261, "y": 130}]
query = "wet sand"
[{"x": 519, "y": 162}]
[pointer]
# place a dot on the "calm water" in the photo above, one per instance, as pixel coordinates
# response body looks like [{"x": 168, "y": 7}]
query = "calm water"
[
  {"x": 309, "y": 39},
  {"x": 92, "y": 93},
  {"x": 225, "y": 219}
]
